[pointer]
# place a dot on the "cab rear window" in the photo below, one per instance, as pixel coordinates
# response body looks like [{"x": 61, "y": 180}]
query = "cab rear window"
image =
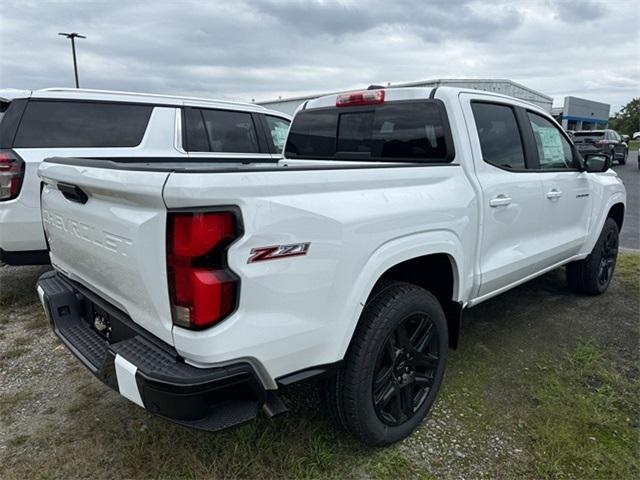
[{"x": 399, "y": 131}]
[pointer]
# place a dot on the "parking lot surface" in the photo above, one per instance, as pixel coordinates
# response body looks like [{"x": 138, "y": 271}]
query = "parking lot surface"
[{"x": 630, "y": 174}]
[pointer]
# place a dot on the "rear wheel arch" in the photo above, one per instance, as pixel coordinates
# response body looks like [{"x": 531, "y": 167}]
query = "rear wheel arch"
[{"x": 437, "y": 273}]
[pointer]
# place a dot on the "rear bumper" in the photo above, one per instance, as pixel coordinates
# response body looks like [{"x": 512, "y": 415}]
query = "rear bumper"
[
  {"x": 144, "y": 369},
  {"x": 595, "y": 149}
]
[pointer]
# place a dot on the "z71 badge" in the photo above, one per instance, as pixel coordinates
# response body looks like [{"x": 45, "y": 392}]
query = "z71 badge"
[{"x": 278, "y": 251}]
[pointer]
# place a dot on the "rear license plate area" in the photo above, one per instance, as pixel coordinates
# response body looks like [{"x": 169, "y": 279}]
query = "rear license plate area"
[{"x": 100, "y": 321}]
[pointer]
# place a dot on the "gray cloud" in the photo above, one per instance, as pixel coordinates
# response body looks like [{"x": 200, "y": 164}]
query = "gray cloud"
[
  {"x": 570, "y": 11},
  {"x": 264, "y": 49},
  {"x": 433, "y": 21}
]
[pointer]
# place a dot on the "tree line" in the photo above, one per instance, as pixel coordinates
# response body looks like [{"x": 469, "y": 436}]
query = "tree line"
[{"x": 627, "y": 120}]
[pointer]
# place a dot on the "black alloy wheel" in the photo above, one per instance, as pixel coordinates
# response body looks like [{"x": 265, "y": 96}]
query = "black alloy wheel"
[
  {"x": 593, "y": 274},
  {"x": 394, "y": 366},
  {"x": 608, "y": 256},
  {"x": 405, "y": 369}
]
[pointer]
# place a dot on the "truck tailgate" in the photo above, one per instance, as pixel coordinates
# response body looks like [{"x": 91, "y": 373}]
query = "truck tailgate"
[{"x": 106, "y": 230}]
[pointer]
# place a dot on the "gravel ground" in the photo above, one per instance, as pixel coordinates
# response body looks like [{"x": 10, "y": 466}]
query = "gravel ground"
[{"x": 58, "y": 421}]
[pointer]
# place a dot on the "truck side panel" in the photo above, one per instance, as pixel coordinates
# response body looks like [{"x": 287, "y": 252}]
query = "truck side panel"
[{"x": 358, "y": 222}]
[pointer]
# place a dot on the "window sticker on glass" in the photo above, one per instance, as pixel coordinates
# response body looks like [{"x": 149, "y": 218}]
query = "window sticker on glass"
[
  {"x": 551, "y": 143},
  {"x": 554, "y": 151},
  {"x": 279, "y": 134},
  {"x": 278, "y": 128}
]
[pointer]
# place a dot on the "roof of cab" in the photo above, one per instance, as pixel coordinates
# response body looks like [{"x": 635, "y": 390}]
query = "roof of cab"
[
  {"x": 137, "y": 97},
  {"x": 413, "y": 93},
  {"x": 133, "y": 97},
  {"x": 8, "y": 94},
  {"x": 391, "y": 94}
]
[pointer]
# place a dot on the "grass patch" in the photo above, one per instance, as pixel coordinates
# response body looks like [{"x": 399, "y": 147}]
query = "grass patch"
[
  {"x": 10, "y": 402},
  {"x": 8, "y": 299},
  {"x": 22, "y": 341},
  {"x": 584, "y": 422},
  {"x": 106, "y": 436},
  {"x": 628, "y": 272},
  {"x": 393, "y": 465},
  {"x": 17, "y": 441},
  {"x": 12, "y": 352},
  {"x": 36, "y": 322},
  {"x": 294, "y": 447},
  {"x": 12, "y": 299},
  {"x": 103, "y": 435},
  {"x": 89, "y": 396}
]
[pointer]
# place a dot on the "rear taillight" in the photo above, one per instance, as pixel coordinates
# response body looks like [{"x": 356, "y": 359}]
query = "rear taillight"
[
  {"x": 602, "y": 142},
  {"x": 202, "y": 288},
  {"x": 11, "y": 174},
  {"x": 367, "y": 97}
]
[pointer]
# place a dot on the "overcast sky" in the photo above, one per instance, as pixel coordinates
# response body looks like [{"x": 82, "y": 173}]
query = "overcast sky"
[{"x": 262, "y": 50}]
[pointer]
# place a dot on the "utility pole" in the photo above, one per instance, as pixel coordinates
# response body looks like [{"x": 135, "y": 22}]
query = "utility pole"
[{"x": 73, "y": 37}]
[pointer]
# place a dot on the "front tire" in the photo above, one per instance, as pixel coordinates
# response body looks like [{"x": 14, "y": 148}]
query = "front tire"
[
  {"x": 394, "y": 366},
  {"x": 593, "y": 274}
]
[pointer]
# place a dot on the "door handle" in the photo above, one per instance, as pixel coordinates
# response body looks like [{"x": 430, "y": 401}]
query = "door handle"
[
  {"x": 500, "y": 201},
  {"x": 554, "y": 193}
]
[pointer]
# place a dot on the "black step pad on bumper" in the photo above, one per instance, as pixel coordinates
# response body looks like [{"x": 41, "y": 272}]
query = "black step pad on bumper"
[{"x": 205, "y": 398}]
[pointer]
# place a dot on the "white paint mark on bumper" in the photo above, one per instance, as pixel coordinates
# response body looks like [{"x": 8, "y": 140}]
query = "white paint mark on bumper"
[{"x": 126, "y": 375}]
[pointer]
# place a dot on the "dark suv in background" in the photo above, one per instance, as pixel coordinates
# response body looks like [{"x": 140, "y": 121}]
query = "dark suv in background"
[{"x": 608, "y": 142}]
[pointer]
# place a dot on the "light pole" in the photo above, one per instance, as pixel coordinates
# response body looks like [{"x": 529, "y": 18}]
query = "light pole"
[{"x": 73, "y": 37}]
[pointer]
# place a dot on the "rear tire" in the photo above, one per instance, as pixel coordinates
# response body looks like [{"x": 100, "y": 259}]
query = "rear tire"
[
  {"x": 593, "y": 274},
  {"x": 623, "y": 160},
  {"x": 393, "y": 368}
]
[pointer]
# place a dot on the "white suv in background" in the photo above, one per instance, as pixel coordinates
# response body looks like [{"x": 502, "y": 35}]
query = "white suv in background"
[{"x": 96, "y": 124}]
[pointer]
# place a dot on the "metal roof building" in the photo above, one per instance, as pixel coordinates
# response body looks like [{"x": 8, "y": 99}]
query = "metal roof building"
[
  {"x": 582, "y": 114},
  {"x": 503, "y": 86}
]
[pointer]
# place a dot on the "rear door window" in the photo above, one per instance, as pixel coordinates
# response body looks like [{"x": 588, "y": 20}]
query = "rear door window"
[
  {"x": 223, "y": 131},
  {"x": 65, "y": 124},
  {"x": 499, "y": 135},
  {"x": 396, "y": 131},
  {"x": 196, "y": 139}
]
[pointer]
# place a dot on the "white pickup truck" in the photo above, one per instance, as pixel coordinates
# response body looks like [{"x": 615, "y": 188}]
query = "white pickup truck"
[{"x": 198, "y": 289}]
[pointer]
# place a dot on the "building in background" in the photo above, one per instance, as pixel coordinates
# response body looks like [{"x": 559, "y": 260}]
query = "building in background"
[
  {"x": 505, "y": 87},
  {"x": 582, "y": 114}
]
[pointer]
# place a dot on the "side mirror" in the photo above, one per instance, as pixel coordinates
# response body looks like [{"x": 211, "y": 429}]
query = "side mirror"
[{"x": 596, "y": 162}]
